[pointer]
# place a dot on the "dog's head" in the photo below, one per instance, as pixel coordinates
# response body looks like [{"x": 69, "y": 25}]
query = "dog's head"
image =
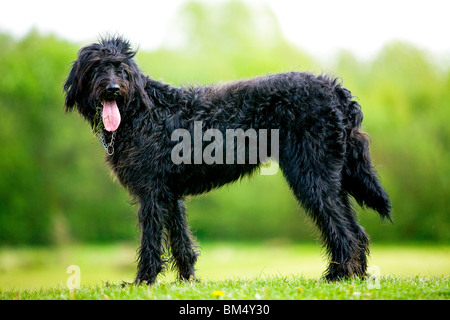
[{"x": 103, "y": 81}]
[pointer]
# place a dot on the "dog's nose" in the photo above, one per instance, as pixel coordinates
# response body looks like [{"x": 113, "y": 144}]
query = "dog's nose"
[{"x": 112, "y": 88}]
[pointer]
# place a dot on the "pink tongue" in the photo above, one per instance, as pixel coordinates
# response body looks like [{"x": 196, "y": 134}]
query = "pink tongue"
[{"x": 110, "y": 115}]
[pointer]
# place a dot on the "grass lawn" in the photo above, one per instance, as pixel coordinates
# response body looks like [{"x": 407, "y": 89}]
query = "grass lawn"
[{"x": 226, "y": 271}]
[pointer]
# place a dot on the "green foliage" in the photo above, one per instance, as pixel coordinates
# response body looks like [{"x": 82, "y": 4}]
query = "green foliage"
[
  {"x": 55, "y": 187},
  {"x": 46, "y": 194}
]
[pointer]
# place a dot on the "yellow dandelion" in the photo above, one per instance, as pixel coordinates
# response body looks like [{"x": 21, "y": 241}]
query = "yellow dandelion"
[
  {"x": 218, "y": 293},
  {"x": 300, "y": 289}
]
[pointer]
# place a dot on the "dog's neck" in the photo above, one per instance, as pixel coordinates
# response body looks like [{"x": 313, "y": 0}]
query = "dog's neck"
[{"x": 161, "y": 93}]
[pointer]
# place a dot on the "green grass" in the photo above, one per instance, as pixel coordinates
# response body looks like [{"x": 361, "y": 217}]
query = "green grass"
[
  {"x": 226, "y": 271},
  {"x": 262, "y": 288}
]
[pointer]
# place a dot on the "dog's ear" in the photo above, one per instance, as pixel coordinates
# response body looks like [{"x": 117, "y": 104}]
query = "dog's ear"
[
  {"x": 72, "y": 87},
  {"x": 139, "y": 83},
  {"x": 75, "y": 85}
]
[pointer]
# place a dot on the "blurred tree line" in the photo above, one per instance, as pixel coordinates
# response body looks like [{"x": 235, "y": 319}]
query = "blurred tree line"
[{"x": 55, "y": 187}]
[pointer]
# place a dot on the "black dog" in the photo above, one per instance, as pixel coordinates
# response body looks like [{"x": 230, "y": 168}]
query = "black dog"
[{"x": 322, "y": 154}]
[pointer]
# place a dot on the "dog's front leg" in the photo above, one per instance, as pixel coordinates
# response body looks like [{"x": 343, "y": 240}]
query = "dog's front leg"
[{"x": 152, "y": 214}]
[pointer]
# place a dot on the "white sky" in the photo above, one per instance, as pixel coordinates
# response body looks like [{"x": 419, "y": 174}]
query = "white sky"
[{"x": 319, "y": 26}]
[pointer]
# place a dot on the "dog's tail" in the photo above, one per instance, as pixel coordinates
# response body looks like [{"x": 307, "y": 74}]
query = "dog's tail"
[{"x": 359, "y": 176}]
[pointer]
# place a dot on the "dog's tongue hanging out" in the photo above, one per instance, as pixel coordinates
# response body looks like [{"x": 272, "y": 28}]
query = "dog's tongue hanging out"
[{"x": 110, "y": 115}]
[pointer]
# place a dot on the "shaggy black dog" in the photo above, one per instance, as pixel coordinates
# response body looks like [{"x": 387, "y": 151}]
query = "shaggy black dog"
[{"x": 322, "y": 152}]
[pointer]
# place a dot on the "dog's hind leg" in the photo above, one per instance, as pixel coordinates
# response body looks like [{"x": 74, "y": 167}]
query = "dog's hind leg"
[
  {"x": 312, "y": 168},
  {"x": 357, "y": 264},
  {"x": 180, "y": 239}
]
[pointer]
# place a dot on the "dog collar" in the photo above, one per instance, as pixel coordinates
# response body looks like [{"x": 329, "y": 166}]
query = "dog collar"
[{"x": 109, "y": 147}]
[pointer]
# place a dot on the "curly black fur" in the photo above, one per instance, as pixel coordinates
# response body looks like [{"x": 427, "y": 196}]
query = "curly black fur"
[{"x": 322, "y": 152}]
